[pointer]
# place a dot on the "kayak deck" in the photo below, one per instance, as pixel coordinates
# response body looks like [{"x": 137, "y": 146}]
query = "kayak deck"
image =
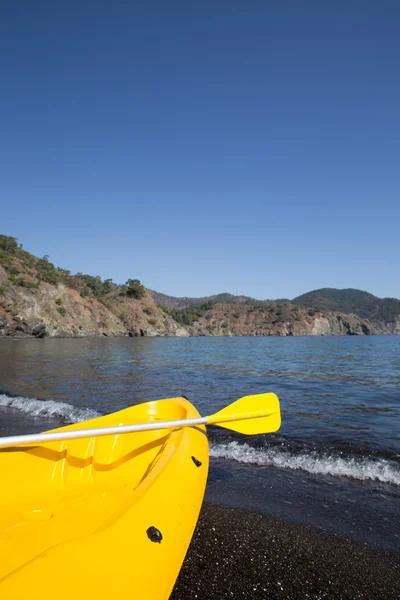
[{"x": 75, "y": 515}]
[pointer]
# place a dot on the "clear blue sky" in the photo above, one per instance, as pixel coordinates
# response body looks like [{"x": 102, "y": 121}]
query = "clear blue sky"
[{"x": 203, "y": 147}]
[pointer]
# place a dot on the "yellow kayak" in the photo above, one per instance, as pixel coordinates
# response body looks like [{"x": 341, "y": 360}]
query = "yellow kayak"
[{"x": 102, "y": 517}]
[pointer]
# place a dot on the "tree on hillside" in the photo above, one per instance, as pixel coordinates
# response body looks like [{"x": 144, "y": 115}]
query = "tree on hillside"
[
  {"x": 46, "y": 271},
  {"x": 95, "y": 284},
  {"x": 190, "y": 314},
  {"x": 108, "y": 285},
  {"x": 135, "y": 289},
  {"x": 8, "y": 243}
]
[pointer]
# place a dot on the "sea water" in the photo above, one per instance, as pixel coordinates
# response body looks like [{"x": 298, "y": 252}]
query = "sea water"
[{"x": 335, "y": 462}]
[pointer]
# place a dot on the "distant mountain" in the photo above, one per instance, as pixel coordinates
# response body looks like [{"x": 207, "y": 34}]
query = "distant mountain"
[
  {"x": 174, "y": 302},
  {"x": 38, "y": 299},
  {"x": 351, "y": 301},
  {"x": 347, "y": 301}
]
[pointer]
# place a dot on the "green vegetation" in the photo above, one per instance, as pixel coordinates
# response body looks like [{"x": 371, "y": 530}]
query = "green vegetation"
[
  {"x": 135, "y": 289},
  {"x": 27, "y": 284},
  {"x": 46, "y": 271},
  {"x": 94, "y": 285},
  {"x": 62, "y": 311},
  {"x": 25, "y": 270},
  {"x": 28, "y": 259},
  {"x": 15, "y": 259},
  {"x": 174, "y": 303},
  {"x": 5, "y": 259},
  {"x": 348, "y": 301},
  {"x": 8, "y": 244},
  {"x": 153, "y": 322},
  {"x": 190, "y": 314}
]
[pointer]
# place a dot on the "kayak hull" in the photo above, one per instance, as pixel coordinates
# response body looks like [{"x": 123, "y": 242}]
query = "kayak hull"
[{"x": 99, "y": 516}]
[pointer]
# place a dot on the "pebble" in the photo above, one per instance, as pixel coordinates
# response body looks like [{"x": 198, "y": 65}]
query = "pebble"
[{"x": 263, "y": 558}]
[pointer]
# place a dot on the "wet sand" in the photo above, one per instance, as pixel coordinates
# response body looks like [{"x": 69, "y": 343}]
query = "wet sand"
[{"x": 241, "y": 554}]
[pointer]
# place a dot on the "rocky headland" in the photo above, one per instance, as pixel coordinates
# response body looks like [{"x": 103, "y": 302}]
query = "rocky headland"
[{"x": 39, "y": 300}]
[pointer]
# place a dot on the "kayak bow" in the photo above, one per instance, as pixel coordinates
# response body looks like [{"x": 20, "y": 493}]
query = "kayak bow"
[{"x": 110, "y": 514}]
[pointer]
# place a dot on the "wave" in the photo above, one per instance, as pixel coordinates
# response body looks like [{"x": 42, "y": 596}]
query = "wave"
[
  {"x": 48, "y": 408},
  {"x": 356, "y": 468}
]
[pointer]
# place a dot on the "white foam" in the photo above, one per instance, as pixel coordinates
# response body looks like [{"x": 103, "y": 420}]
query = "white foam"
[
  {"x": 363, "y": 469},
  {"x": 48, "y": 408}
]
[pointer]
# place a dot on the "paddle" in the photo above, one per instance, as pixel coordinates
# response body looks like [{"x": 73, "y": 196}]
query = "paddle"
[{"x": 250, "y": 415}]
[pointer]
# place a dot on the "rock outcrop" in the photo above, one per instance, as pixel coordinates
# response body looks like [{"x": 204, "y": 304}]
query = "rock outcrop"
[
  {"x": 282, "y": 319},
  {"x": 142, "y": 317},
  {"x": 58, "y": 311},
  {"x": 39, "y": 300}
]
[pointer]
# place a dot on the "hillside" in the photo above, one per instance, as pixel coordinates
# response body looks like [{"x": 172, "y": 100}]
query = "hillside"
[
  {"x": 38, "y": 299},
  {"x": 174, "y": 302},
  {"x": 280, "y": 319},
  {"x": 347, "y": 301},
  {"x": 352, "y": 301}
]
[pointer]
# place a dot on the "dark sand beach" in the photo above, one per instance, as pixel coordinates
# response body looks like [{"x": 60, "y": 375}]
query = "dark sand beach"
[{"x": 241, "y": 554}]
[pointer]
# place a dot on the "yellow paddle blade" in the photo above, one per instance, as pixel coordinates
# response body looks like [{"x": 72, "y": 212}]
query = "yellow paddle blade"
[{"x": 250, "y": 415}]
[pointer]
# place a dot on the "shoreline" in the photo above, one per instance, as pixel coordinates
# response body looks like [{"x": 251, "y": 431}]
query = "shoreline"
[
  {"x": 185, "y": 337},
  {"x": 237, "y": 553}
]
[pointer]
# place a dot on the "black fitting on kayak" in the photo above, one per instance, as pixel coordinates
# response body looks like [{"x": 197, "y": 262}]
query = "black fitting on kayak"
[
  {"x": 196, "y": 461},
  {"x": 186, "y": 398},
  {"x": 154, "y": 534}
]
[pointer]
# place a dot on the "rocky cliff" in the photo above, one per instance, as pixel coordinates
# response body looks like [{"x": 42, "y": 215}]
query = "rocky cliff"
[
  {"x": 39, "y": 300},
  {"x": 54, "y": 310},
  {"x": 279, "y": 319}
]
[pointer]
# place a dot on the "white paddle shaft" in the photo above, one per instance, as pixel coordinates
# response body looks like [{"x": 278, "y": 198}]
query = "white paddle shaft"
[{"x": 39, "y": 438}]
